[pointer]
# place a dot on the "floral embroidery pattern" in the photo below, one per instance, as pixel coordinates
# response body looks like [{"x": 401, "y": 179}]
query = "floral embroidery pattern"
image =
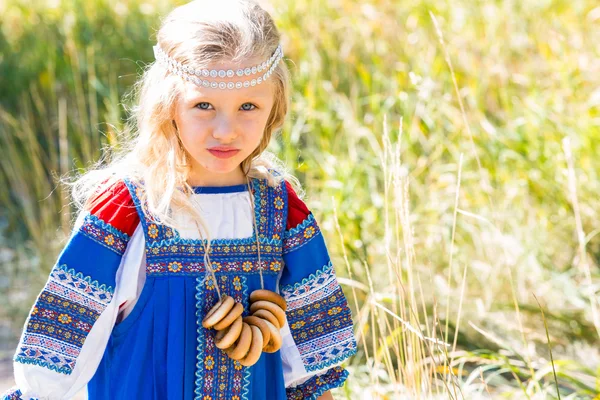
[
  {"x": 152, "y": 231},
  {"x": 300, "y": 235},
  {"x": 318, "y": 384},
  {"x": 64, "y": 318},
  {"x": 270, "y": 214},
  {"x": 233, "y": 255},
  {"x": 191, "y": 267},
  {"x": 218, "y": 377},
  {"x": 104, "y": 234},
  {"x": 61, "y": 319},
  {"x": 13, "y": 394},
  {"x": 279, "y": 203},
  {"x": 109, "y": 240},
  {"x": 247, "y": 266},
  {"x": 175, "y": 266},
  {"x": 275, "y": 266},
  {"x": 320, "y": 320},
  {"x": 232, "y": 248}
]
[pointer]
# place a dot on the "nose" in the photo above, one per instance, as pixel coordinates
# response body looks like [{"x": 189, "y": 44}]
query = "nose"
[{"x": 224, "y": 129}]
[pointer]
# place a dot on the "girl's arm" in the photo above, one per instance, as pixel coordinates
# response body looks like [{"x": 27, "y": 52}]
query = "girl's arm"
[
  {"x": 326, "y": 396},
  {"x": 69, "y": 325},
  {"x": 318, "y": 335}
]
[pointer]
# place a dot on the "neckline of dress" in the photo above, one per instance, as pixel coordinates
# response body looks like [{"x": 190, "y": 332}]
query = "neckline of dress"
[{"x": 220, "y": 189}]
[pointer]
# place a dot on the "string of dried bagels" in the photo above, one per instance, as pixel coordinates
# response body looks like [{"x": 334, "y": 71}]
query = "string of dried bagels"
[{"x": 245, "y": 338}]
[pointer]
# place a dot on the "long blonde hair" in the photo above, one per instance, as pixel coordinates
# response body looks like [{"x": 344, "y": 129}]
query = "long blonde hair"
[{"x": 195, "y": 34}]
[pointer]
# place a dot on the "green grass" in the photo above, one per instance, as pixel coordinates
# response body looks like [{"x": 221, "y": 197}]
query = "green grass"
[{"x": 455, "y": 180}]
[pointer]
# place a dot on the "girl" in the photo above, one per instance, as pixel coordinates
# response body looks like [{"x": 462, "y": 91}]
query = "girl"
[{"x": 194, "y": 270}]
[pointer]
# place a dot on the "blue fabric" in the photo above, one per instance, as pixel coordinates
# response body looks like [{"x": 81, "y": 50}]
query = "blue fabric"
[
  {"x": 78, "y": 290},
  {"x": 161, "y": 351},
  {"x": 317, "y": 312},
  {"x": 87, "y": 257},
  {"x": 220, "y": 189}
]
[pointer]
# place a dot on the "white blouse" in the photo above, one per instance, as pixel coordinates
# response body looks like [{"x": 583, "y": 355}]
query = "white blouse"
[{"x": 229, "y": 216}]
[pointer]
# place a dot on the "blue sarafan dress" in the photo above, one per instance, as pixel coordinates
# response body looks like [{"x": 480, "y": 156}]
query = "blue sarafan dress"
[{"x": 122, "y": 309}]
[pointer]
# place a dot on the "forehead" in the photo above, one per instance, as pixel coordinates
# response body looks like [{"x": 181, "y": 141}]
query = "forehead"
[{"x": 264, "y": 89}]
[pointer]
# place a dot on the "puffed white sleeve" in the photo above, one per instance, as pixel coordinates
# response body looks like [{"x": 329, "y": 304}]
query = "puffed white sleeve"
[
  {"x": 318, "y": 335},
  {"x": 69, "y": 325}
]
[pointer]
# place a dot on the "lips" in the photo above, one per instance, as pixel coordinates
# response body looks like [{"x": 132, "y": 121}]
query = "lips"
[
  {"x": 223, "y": 148},
  {"x": 223, "y": 152}
]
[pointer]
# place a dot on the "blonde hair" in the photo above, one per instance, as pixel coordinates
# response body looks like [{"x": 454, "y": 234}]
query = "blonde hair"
[{"x": 195, "y": 34}]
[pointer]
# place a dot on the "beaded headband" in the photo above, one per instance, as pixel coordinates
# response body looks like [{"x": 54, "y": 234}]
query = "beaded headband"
[{"x": 199, "y": 76}]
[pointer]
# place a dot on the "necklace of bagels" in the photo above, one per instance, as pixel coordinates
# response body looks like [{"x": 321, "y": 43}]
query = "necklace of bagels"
[{"x": 245, "y": 338}]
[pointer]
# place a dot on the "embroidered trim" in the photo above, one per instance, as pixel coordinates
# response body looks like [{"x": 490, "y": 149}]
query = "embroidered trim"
[
  {"x": 311, "y": 286},
  {"x": 61, "y": 319},
  {"x": 301, "y": 234},
  {"x": 232, "y": 248},
  {"x": 271, "y": 265},
  {"x": 33, "y": 341},
  {"x": 214, "y": 243},
  {"x": 104, "y": 234},
  {"x": 319, "y": 319},
  {"x": 13, "y": 394},
  {"x": 218, "y": 376},
  {"x": 46, "y": 364},
  {"x": 276, "y": 198},
  {"x": 300, "y": 227},
  {"x": 200, "y": 337},
  {"x": 260, "y": 203},
  {"x": 329, "y": 350},
  {"x": 167, "y": 253},
  {"x": 284, "y": 213},
  {"x": 100, "y": 292},
  {"x": 318, "y": 384},
  {"x": 165, "y": 245}
]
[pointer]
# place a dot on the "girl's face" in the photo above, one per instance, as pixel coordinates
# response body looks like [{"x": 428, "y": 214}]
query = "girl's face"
[{"x": 208, "y": 119}]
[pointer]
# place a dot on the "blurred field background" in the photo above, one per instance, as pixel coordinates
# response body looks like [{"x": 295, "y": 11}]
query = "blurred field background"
[{"x": 449, "y": 150}]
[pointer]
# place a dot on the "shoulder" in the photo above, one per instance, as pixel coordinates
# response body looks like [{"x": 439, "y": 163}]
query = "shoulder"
[
  {"x": 297, "y": 209},
  {"x": 114, "y": 205}
]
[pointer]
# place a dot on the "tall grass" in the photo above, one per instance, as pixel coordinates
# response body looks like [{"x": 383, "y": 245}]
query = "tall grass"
[{"x": 449, "y": 151}]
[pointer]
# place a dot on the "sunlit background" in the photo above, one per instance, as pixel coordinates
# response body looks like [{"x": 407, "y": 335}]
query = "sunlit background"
[{"x": 449, "y": 149}]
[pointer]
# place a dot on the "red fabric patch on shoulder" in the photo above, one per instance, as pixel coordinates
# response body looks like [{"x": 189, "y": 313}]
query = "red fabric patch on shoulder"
[
  {"x": 118, "y": 209},
  {"x": 297, "y": 210}
]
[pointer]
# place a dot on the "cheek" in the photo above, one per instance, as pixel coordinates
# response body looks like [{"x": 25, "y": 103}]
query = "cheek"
[
  {"x": 254, "y": 130},
  {"x": 191, "y": 130}
]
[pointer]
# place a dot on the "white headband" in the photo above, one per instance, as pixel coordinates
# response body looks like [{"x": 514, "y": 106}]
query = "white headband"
[{"x": 198, "y": 76}]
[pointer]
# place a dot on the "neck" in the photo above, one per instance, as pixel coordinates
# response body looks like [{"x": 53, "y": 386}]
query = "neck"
[{"x": 235, "y": 177}]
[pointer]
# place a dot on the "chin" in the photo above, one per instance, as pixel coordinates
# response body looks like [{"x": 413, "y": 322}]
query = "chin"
[{"x": 223, "y": 167}]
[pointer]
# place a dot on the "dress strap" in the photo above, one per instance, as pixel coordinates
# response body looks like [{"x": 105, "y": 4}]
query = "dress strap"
[
  {"x": 270, "y": 211},
  {"x": 273, "y": 210},
  {"x": 152, "y": 229}
]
